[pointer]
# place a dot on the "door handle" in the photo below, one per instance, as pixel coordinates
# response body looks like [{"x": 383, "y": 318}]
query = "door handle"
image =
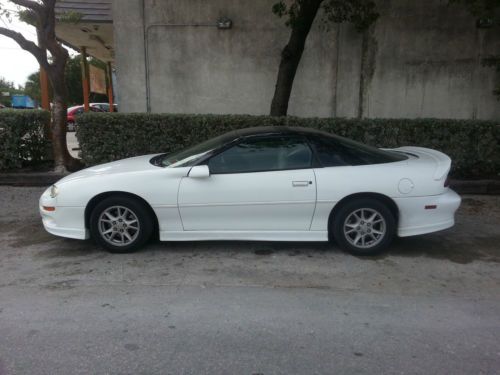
[{"x": 301, "y": 183}]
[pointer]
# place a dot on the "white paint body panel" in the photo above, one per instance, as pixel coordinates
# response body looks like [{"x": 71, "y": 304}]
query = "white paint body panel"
[
  {"x": 290, "y": 205},
  {"x": 261, "y": 201}
]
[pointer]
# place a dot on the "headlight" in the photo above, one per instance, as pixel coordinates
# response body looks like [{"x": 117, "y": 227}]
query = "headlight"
[{"x": 54, "y": 191}]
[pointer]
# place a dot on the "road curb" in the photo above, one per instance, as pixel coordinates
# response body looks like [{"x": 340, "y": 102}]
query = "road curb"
[
  {"x": 30, "y": 179},
  {"x": 486, "y": 187}
]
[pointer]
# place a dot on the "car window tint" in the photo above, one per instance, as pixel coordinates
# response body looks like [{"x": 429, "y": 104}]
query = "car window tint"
[
  {"x": 265, "y": 154},
  {"x": 336, "y": 151}
]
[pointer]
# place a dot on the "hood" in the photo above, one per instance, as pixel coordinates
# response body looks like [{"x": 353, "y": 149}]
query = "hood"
[{"x": 130, "y": 165}]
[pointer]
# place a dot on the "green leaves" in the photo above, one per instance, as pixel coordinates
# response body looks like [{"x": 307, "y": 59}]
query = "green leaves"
[
  {"x": 361, "y": 13},
  {"x": 474, "y": 146},
  {"x": 22, "y": 137}
]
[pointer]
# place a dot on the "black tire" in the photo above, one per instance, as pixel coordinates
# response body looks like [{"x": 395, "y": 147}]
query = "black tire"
[
  {"x": 142, "y": 216},
  {"x": 343, "y": 218}
]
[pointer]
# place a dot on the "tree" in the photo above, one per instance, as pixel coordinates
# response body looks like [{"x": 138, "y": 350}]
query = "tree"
[
  {"x": 41, "y": 15},
  {"x": 300, "y": 15},
  {"x": 487, "y": 13},
  {"x": 73, "y": 74},
  {"x": 6, "y": 86}
]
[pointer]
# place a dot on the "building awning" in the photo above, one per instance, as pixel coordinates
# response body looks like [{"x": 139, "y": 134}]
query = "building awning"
[{"x": 86, "y": 23}]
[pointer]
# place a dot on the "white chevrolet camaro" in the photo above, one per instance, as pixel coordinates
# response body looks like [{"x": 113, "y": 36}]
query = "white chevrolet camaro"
[{"x": 263, "y": 184}]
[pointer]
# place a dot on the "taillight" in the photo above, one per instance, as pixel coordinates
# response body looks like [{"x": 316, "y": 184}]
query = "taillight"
[{"x": 447, "y": 181}]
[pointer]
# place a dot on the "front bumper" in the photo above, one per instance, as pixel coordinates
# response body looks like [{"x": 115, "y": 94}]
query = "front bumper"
[
  {"x": 415, "y": 219},
  {"x": 63, "y": 221}
]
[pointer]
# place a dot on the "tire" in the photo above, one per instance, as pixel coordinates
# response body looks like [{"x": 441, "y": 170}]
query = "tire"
[
  {"x": 364, "y": 227},
  {"x": 128, "y": 232}
]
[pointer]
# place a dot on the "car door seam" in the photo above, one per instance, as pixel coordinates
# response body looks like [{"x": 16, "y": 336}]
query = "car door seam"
[
  {"x": 178, "y": 205},
  {"x": 315, "y": 199}
]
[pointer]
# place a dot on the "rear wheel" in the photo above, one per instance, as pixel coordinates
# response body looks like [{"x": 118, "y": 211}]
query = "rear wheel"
[
  {"x": 364, "y": 226},
  {"x": 121, "y": 224}
]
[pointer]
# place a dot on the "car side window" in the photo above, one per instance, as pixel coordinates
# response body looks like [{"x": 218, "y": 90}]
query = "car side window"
[
  {"x": 336, "y": 152},
  {"x": 329, "y": 153},
  {"x": 263, "y": 154}
]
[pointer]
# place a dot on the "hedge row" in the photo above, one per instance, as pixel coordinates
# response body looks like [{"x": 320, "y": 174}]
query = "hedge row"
[
  {"x": 473, "y": 145},
  {"x": 22, "y": 138}
]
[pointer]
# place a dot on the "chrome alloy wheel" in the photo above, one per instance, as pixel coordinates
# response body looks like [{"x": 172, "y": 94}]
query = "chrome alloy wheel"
[
  {"x": 364, "y": 228},
  {"x": 118, "y": 225}
]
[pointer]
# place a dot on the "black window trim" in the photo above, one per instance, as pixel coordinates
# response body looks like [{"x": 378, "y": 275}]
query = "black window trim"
[{"x": 314, "y": 161}]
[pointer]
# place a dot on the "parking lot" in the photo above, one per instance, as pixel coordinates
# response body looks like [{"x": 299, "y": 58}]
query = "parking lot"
[{"x": 430, "y": 305}]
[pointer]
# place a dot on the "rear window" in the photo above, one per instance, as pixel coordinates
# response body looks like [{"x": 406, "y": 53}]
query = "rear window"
[{"x": 336, "y": 151}]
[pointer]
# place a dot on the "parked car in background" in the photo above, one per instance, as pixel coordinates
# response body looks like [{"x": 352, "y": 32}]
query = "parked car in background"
[
  {"x": 104, "y": 106},
  {"x": 265, "y": 184},
  {"x": 75, "y": 111}
]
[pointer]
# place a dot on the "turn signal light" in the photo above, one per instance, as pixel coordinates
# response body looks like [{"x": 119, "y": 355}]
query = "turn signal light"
[{"x": 48, "y": 208}]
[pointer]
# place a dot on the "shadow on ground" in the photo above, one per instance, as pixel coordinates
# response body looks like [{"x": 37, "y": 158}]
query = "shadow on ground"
[{"x": 468, "y": 241}]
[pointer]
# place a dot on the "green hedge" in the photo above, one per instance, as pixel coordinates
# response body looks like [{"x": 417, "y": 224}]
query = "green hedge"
[
  {"x": 22, "y": 139},
  {"x": 473, "y": 145}
]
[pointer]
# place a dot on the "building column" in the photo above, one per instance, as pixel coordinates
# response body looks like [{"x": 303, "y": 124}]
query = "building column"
[
  {"x": 109, "y": 82},
  {"x": 128, "y": 27},
  {"x": 85, "y": 79}
]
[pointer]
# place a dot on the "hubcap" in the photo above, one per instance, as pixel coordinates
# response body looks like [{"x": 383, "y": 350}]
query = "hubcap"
[
  {"x": 364, "y": 228},
  {"x": 118, "y": 225}
]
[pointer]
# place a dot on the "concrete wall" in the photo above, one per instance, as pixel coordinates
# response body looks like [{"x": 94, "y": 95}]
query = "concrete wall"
[{"x": 422, "y": 59}]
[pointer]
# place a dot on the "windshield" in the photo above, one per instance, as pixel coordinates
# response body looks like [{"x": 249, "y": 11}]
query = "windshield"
[{"x": 190, "y": 156}]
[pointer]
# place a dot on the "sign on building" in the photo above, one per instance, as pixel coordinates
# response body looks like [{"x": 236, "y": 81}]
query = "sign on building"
[{"x": 97, "y": 80}]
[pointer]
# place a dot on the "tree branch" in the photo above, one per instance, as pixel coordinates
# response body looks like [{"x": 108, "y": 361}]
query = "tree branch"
[
  {"x": 25, "y": 44},
  {"x": 33, "y": 5}
]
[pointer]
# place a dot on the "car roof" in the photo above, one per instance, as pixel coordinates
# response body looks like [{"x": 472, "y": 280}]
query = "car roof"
[{"x": 273, "y": 130}]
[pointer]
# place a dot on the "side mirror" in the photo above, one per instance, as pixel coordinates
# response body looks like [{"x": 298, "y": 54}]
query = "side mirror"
[{"x": 199, "y": 171}]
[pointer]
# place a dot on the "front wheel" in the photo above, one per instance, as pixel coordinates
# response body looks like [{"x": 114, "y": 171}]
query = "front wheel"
[
  {"x": 121, "y": 224},
  {"x": 364, "y": 226}
]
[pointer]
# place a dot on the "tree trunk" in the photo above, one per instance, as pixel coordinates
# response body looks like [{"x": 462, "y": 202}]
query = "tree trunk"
[
  {"x": 63, "y": 161},
  {"x": 291, "y": 55}
]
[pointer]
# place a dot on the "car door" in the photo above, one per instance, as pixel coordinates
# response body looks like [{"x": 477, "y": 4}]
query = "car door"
[{"x": 260, "y": 184}]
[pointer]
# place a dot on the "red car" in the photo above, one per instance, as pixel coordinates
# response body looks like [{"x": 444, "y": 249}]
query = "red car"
[{"x": 77, "y": 110}]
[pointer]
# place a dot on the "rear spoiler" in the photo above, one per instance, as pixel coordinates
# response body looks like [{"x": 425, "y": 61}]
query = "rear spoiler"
[{"x": 443, "y": 161}]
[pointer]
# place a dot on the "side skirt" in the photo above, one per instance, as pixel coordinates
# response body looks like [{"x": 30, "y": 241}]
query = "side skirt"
[{"x": 299, "y": 236}]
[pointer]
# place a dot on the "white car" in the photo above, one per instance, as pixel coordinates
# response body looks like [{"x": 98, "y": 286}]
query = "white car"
[{"x": 264, "y": 184}]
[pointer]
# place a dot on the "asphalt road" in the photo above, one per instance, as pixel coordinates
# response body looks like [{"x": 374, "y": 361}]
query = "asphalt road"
[{"x": 430, "y": 306}]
